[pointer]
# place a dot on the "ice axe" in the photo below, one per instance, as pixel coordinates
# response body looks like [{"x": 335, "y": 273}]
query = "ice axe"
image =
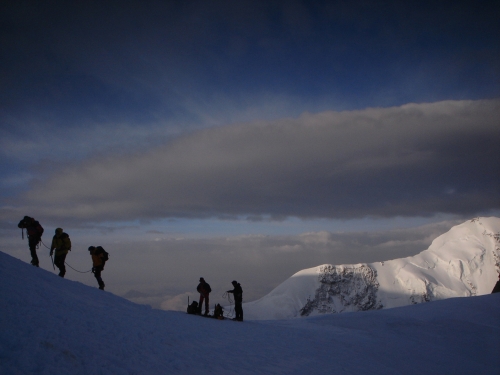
[{"x": 52, "y": 262}]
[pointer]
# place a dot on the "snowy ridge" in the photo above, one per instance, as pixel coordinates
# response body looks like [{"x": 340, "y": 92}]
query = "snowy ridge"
[
  {"x": 465, "y": 261},
  {"x": 50, "y": 325}
]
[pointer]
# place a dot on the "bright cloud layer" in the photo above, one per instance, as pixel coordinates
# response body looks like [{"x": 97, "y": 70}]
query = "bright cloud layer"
[{"x": 417, "y": 159}]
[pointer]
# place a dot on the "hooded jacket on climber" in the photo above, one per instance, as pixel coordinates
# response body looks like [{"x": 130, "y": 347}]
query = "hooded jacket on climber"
[
  {"x": 61, "y": 244},
  {"x": 99, "y": 258},
  {"x": 34, "y": 231},
  {"x": 204, "y": 289},
  {"x": 238, "y": 300}
]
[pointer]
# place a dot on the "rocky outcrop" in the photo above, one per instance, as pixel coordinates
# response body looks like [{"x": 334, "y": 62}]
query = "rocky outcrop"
[{"x": 344, "y": 287}]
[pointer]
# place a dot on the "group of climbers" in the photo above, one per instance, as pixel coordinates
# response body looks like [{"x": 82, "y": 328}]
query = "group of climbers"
[
  {"x": 61, "y": 245},
  {"x": 204, "y": 289}
]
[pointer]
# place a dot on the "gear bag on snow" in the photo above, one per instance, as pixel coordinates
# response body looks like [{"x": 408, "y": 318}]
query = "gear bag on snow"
[
  {"x": 218, "y": 312},
  {"x": 193, "y": 308}
]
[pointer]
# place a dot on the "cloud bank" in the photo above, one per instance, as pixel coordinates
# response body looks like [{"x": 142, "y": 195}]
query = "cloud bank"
[{"x": 412, "y": 160}]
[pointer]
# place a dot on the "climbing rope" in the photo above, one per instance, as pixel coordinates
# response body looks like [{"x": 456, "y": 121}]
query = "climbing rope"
[
  {"x": 227, "y": 296},
  {"x": 77, "y": 270},
  {"x": 67, "y": 262}
]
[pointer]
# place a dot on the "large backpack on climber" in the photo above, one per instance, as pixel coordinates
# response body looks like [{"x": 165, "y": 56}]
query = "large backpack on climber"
[
  {"x": 105, "y": 254},
  {"x": 33, "y": 228}
]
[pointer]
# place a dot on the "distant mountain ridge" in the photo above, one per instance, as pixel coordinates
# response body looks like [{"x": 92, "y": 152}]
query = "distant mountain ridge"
[{"x": 463, "y": 262}]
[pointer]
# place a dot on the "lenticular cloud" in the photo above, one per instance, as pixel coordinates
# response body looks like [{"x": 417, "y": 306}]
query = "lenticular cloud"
[{"x": 417, "y": 159}]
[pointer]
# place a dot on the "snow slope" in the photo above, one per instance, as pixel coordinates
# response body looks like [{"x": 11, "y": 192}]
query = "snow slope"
[
  {"x": 465, "y": 261},
  {"x": 50, "y": 325}
]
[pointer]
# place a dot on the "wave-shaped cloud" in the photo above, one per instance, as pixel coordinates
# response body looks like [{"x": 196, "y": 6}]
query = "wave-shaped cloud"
[{"x": 416, "y": 159}]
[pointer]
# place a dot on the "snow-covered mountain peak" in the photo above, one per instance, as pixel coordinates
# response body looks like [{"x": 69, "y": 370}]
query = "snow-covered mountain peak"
[{"x": 465, "y": 261}]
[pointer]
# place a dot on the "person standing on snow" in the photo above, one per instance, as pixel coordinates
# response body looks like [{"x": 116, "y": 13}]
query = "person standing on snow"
[
  {"x": 34, "y": 231},
  {"x": 238, "y": 300},
  {"x": 61, "y": 244},
  {"x": 99, "y": 257},
  {"x": 204, "y": 290}
]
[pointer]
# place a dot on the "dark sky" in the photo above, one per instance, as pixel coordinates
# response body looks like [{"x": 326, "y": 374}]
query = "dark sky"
[
  {"x": 95, "y": 83},
  {"x": 142, "y": 62}
]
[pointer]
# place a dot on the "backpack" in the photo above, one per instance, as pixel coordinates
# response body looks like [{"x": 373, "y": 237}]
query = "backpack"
[
  {"x": 193, "y": 308},
  {"x": 33, "y": 227},
  {"x": 66, "y": 241},
  {"x": 218, "y": 312},
  {"x": 39, "y": 228},
  {"x": 100, "y": 250}
]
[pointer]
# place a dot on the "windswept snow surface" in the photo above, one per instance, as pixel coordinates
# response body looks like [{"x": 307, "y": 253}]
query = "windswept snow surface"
[
  {"x": 50, "y": 325},
  {"x": 463, "y": 262}
]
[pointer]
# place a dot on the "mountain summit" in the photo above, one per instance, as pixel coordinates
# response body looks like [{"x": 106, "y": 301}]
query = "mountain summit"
[{"x": 463, "y": 262}]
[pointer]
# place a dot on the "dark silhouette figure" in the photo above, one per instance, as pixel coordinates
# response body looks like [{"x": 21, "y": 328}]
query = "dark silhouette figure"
[
  {"x": 238, "y": 300},
  {"x": 99, "y": 258},
  {"x": 34, "y": 231},
  {"x": 204, "y": 289},
  {"x": 496, "y": 288},
  {"x": 61, "y": 244}
]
